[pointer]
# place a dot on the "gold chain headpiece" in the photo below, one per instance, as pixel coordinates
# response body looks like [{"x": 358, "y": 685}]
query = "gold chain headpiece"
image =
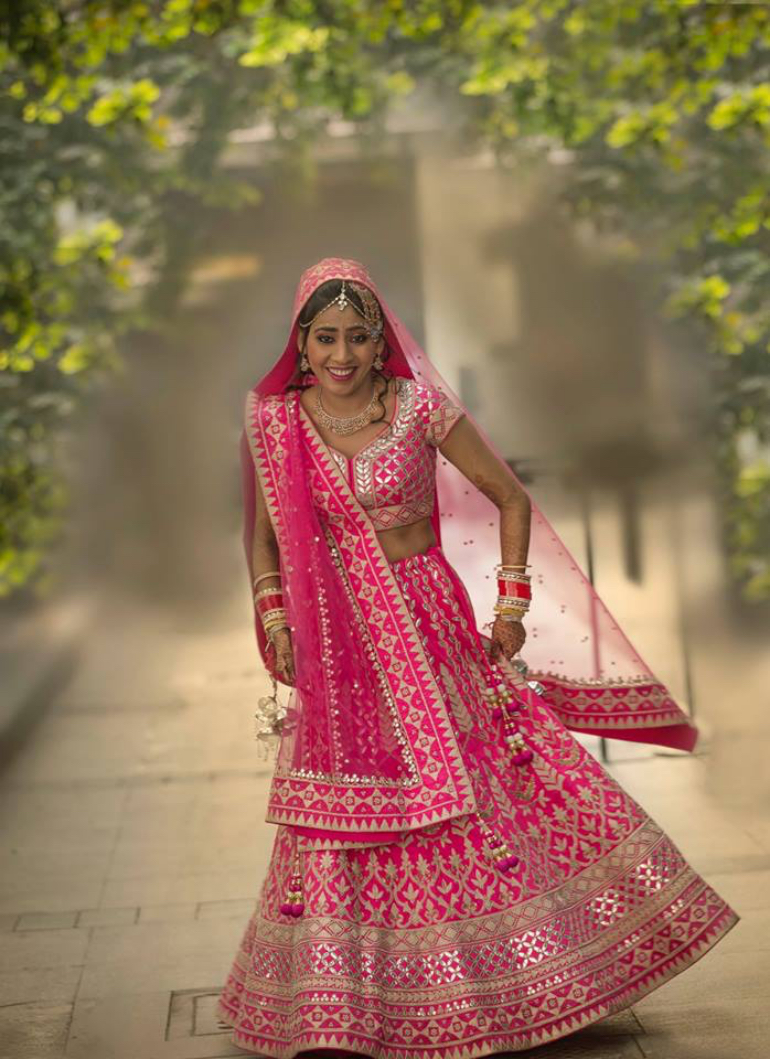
[{"x": 372, "y": 313}]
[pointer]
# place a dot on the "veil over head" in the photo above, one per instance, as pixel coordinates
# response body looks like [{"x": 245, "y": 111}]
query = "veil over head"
[{"x": 576, "y": 652}]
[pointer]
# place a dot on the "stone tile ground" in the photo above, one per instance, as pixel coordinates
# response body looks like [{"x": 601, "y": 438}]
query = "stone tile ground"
[{"x": 133, "y": 846}]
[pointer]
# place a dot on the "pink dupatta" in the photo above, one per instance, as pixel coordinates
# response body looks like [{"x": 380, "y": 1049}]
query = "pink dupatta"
[{"x": 368, "y": 749}]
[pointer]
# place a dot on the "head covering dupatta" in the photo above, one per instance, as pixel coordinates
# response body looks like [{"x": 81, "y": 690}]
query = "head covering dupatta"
[{"x": 368, "y": 749}]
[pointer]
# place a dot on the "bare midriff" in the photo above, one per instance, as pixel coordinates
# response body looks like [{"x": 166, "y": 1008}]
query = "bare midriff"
[{"x": 403, "y": 541}]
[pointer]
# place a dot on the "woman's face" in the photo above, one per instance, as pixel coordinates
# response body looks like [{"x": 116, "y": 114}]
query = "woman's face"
[{"x": 340, "y": 350}]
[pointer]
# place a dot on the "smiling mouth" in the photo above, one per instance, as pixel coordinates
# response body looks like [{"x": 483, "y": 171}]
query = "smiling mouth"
[{"x": 341, "y": 373}]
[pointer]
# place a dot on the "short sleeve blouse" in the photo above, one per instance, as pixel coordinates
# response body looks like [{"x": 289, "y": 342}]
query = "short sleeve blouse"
[
  {"x": 394, "y": 475},
  {"x": 437, "y": 411}
]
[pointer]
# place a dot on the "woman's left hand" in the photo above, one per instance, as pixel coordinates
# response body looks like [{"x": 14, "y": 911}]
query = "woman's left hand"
[{"x": 507, "y": 638}]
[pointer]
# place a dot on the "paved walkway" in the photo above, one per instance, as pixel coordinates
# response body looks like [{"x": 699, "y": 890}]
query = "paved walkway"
[{"x": 133, "y": 846}]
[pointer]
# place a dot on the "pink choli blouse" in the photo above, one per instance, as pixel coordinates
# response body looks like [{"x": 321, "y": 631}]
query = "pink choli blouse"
[{"x": 394, "y": 473}]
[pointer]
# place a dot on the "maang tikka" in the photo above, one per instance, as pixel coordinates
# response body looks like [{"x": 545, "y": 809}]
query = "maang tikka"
[{"x": 371, "y": 312}]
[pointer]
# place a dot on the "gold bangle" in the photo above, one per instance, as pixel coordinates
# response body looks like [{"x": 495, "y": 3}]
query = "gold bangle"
[{"x": 510, "y": 610}]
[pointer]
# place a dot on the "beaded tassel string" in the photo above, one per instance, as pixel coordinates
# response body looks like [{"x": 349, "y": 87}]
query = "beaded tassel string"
[
  {"x": 294, "y": 904},
  {"x": 502, "y": 854},
  {"x": 504, "y": 708}
]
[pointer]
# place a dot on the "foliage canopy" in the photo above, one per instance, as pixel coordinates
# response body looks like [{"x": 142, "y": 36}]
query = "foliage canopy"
[{"x": 113, "y": 110}]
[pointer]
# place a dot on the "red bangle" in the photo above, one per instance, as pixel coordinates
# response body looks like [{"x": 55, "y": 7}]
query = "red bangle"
[
  {"x": 269, "y": 602},
  {"x": 514, "y": 589}
]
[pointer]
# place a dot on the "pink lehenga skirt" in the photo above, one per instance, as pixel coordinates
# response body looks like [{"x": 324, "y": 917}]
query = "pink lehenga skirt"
[{"x": 427, "y": 947}]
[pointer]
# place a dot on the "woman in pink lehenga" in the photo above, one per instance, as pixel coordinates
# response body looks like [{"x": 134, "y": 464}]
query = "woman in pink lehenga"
[{"x": 452, "y": 873}]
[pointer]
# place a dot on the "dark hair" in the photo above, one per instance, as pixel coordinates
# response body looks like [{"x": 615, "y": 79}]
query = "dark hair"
[{"x": 318, "y": 300}]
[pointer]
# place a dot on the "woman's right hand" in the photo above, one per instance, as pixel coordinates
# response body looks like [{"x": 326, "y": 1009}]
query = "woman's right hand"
[{"x": 284, "y": 656}]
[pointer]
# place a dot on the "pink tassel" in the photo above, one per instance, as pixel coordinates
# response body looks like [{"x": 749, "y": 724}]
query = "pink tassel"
[
  {"x": 497, "y": 713},
  {"x": 294, "y": 905},
  {"x": 502, "y": 856},
  {"x": 523, "y": 757}
]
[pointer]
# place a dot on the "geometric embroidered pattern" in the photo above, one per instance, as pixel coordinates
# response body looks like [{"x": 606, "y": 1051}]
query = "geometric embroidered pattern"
[
  {"x": 624, "y": 705},
  {"x": 393, "y": 475}
]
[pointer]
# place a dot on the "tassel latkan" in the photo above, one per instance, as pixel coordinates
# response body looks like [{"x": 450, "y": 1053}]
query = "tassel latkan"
[
  {"x": 294, "y": 904},
  {"x": 504, "y": 706},
  {"x": 502, "y": 854}
]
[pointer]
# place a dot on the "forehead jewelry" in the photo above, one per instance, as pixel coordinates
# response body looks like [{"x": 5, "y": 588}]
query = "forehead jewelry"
[{"x": 372, "y": 314}]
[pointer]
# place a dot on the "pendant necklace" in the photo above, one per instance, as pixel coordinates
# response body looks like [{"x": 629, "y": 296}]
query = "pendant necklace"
[{"x": 344, "y": 424}]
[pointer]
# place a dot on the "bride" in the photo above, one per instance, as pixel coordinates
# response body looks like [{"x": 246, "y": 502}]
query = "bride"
[{"x": 452, "y": 873}]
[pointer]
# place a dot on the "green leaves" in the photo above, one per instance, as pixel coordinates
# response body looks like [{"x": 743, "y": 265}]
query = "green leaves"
[
  {"x": 746, "y": 217},
  {"x": 32, "y": 498},
  {"x": 699, "y": 295},
  {"x": 131, "y": 102},
  {"x": 745, "y": 106},
  {"x": 99, "y": 241},
  {"x": 652, "y": 125},
  {"x": 750, "y": 526},
  {"x": 275, "y": 38},
  {"x": 492, "y": 78}
]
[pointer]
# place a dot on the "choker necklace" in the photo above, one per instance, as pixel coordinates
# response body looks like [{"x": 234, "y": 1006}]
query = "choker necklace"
[{"x": 344, "y": 424}]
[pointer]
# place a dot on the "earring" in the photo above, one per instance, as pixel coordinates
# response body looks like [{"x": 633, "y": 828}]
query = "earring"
[
  {"x": 304, "y": 364},
  {"x": 377, "y": 362}
]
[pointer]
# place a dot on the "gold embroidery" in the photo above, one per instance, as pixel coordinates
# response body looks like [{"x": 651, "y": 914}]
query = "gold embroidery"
[
  {"x": 445, "y": 790},
  {"x": 364, "y": 461},
  {"x": 526, "y": 968}
]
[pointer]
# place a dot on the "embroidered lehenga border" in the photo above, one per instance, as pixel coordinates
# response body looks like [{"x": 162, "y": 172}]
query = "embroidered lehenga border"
[{"x": 506, "y": 980}]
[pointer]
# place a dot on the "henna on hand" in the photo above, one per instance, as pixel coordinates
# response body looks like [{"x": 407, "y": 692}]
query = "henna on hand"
[
  {"x": 507, "y": 638},
  {"x": 284, "y": 655}
]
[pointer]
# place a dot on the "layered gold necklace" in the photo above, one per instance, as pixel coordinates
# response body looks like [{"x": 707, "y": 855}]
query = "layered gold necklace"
[{"x": 344, "y": 424}]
